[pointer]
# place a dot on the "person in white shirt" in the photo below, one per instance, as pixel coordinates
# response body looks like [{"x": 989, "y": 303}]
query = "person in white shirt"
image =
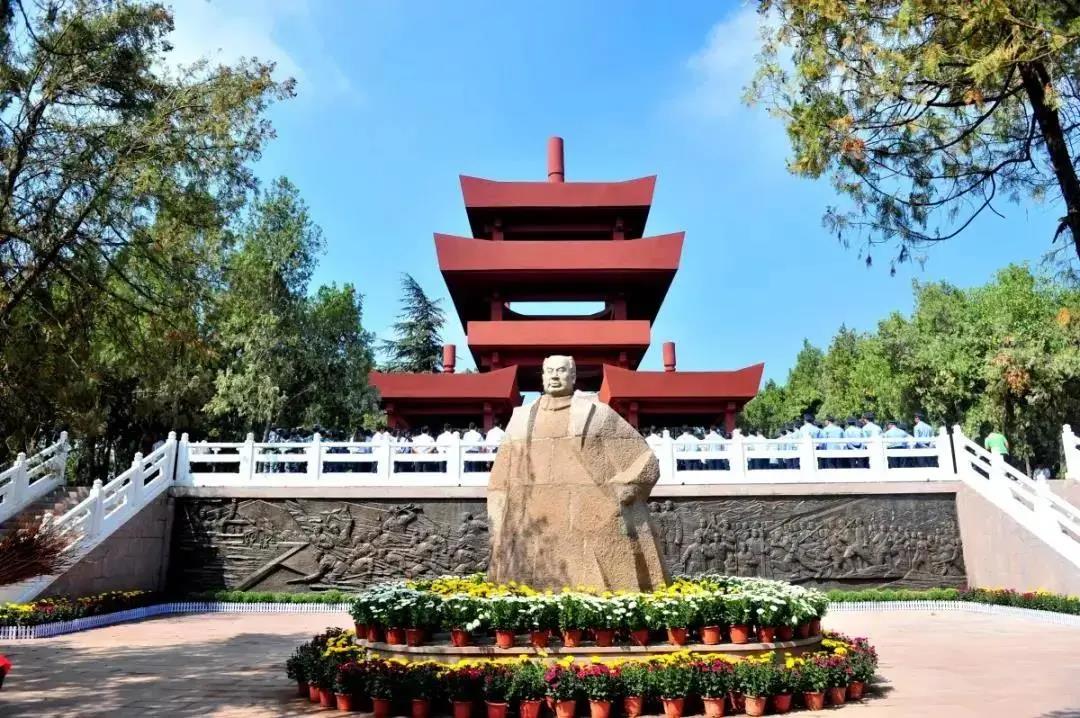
[
  {"x": 443, "y": 441},
  {"x": 424, "y": 443},
  {"x": 653, "y": 439},
  {"x": 687, "y": 443},
  {"x": 495, "y": 435},
  {"x": 474, "y": 437}
]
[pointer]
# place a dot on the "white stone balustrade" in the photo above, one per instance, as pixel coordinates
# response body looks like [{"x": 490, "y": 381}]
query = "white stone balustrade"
[
  {"x": 458, "y": 463},
  {"x": 28, "y": 479}
]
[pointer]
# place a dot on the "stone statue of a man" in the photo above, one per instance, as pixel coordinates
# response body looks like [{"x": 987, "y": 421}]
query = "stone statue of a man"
[{"x": 568, "y": 492}]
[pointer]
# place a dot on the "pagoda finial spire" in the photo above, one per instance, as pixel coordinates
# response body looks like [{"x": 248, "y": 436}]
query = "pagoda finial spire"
[{"x": 555, "y": 167}]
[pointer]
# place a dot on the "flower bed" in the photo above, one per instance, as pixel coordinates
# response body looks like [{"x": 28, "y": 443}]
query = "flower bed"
[
  {"x": 49, "y": 610},
  {"x": 712, "y": 608},
  {"x": 336, "y": 669}
]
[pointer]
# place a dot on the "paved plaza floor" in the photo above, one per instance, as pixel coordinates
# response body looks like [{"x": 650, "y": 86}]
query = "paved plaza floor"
[{"x": 949, "y": 664}]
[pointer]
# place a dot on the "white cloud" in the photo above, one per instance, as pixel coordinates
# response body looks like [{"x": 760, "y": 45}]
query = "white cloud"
[
  {"x": 722, "y": 68},
  {"x": 280, "y": 31}
]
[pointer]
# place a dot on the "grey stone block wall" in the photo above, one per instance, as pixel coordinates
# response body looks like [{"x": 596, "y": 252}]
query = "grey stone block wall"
[{"x": 136, "y": 556}]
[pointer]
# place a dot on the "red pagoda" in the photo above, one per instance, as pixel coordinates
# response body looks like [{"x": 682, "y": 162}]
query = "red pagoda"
[{"x": 559, "y": 241}]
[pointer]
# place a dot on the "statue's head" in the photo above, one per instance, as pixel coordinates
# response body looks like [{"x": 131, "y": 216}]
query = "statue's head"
[{"x": 559, "y": 375}]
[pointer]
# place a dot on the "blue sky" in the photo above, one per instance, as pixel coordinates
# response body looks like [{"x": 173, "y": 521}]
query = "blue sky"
[{"x": 396, "y": 99}]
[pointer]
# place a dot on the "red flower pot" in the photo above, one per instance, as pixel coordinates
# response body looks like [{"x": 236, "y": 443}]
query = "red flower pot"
[
  {"x": 313, "y": 692},
  {"x": 343, "y": 701},
  {"x": 571, "y": 637},
  {"x": 815, "y": 627},
  {"x": 814, "y": 701},
  {"x": 604, "y": 637},
  {"x": 382, "y": 707},
  {"x": 711, "y": 635},
  {"x": 673, "y": 707},
  {"x": 785, "y": 633},
  {"x": 756, "y": 705},
  {"x": 374, "y": 634},
  {"x": 459, "y": 637},
  {"x": 740, "y": 633},
  {"x": 599, "y": 709},
  {"x": 766, "y": 634},
  {"x": 496, "y": 710},
  {"x": 714, "y": 707},
  {"x": 361, "y": 630},
  {"x": 737, "y": 701},
  {"x": 640, "y": 637},
  {"x": 802, "y": 630},
  {"x": 395, "y": 636},
  {"x": 677, "y": 636},
  {"x": 414, "y": 636},
  {"x": 463, "y": 709},
  {"x": 539, "y": 639},
  {"x": 631, "y": 706},
  {"x": 781, "y": 703},
  {"x": 836, "y": 695},
  {"x": 326, "y": 698},
  {"x": 529, "y": 709},
  {"x": 301, "y": 687},
  {"x": 565, "y": 709},
  {"x": 421, "y": 707},
  {"x": 855, "y": 690},
  {"x": 504, "y": 638}
]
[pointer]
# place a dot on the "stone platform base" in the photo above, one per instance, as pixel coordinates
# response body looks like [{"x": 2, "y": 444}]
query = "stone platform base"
[{"x": 442, "y": 652}]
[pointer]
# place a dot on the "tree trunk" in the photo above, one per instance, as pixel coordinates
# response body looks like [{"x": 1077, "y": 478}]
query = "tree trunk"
[{"x": 1036, "y": 79}]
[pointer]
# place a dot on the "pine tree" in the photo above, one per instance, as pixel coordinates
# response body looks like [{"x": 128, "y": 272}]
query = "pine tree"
[{"x": 417, "y": 345}]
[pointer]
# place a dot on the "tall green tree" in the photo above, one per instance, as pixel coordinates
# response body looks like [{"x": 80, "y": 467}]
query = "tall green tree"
[
  {"x": 1003, "y": 356},
  {"x": 417, "y": 343},
  {"x": 927, "y": 113},
  {"x": 98, "y": 135}
]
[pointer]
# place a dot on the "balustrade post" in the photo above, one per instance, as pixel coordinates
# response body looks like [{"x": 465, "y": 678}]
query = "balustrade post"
[
  {"x": 737, "y": 458},
  {"x": 168, "y": 469},
  {"x": 946, "y": 461},
  {"x": 879, "y": 460},
  {"x": 1072, "y": 453},
  {"x": 135, "y": 483},
  {"x": 97, "y": 510},
  {"x": 21, "y": 481},
  {"x": 182, "y": 472},
  {"x": 807, "y": 457},
  {"x": 452, "y": 453},
  {"x": 247, "y": 459},
  {"x": 314, "y": 458},
  {"x": 666, "y": 457},
  {"x": 384, "y": 453}
]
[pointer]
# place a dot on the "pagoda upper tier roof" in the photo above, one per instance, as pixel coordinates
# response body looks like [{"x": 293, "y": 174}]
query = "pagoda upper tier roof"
[
  {"x": 641, "y": 270},
  {"x": 694, "y": 386},
  {"x": 495, "y": 386},
  {"x": 529, "y": 207}
]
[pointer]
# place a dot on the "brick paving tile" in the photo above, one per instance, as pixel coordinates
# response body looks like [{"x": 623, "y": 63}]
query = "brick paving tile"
[{"x": 221, "y": 665}]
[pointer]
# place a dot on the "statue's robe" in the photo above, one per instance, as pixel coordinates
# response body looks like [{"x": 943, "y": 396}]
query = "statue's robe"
[{"x": 567, "y": 499}]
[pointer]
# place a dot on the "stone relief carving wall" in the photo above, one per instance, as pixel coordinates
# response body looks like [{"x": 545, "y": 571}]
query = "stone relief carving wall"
[{"x": 317, "y": 544}]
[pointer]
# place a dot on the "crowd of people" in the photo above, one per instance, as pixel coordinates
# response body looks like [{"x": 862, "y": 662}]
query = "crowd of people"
[
  {"x": 424, "y": 447},
  {"x": 829, "y": 434}
]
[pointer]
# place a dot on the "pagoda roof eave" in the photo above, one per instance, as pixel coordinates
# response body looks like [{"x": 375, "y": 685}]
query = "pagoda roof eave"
[
  {"x": 482, "y": 193},
  {"x": 570, "y": 270},
  {"x": 495, "y": 386},
  {"x": 738, "y": 385}
]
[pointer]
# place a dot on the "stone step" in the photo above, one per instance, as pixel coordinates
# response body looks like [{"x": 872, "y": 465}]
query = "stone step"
[{"x": 57, "y": 502}]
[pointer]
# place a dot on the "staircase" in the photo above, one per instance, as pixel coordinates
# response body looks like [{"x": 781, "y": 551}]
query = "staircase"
[
  {"x": 1030, "y": 503},
  {"x": 57, "y": 503}
]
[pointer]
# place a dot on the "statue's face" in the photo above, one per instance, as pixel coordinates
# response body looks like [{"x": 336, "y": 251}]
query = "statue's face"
[{"x": 559, "y": 375}]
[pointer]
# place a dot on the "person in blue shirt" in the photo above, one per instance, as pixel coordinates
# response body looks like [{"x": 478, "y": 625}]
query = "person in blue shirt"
[
  {"x": 853, "y": 431},
  {"x": 922, "y": 430},
  {"x": 894, "y": 432},
  {"x": 831, "y": 431}
]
